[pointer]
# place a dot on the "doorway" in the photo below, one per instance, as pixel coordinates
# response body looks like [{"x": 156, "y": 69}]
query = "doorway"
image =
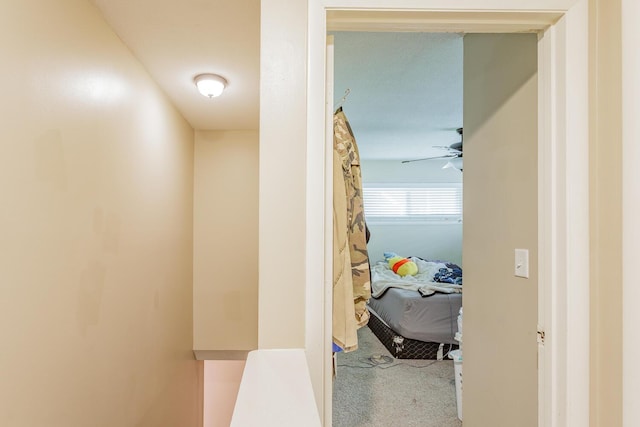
[
  {"x": 500, "y": 92},
  {"x": 404, "y": 106},
  {"x": 562, "y": 213}
]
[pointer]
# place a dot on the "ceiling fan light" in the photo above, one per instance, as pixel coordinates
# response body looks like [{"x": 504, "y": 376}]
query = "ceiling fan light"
[{"x": 455, "y": 163}]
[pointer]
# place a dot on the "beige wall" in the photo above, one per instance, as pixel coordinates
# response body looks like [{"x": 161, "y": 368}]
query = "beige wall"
[
  {"x": 96, "y": 173},
  {"x": 225, "y": 254},
  {"x": 283, "y": 87},
  {"x": 500, "y": 215},
  {"x": 221, "y": 384},
  {"x": 606, "y": 213}
]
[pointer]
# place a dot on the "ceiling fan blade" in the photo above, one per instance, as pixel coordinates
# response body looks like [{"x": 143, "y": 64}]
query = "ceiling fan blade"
[{"x": 448, "y": 156}]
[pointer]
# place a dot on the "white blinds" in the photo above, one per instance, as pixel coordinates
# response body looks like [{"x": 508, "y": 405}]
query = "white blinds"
[{"x": 411, "y": 201}]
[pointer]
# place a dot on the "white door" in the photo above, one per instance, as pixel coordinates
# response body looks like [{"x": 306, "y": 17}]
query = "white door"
[{"x": 500, "y": 215}]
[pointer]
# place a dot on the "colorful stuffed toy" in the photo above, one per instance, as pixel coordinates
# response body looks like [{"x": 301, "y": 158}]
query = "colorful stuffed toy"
[{"x": 400, "y": 265}]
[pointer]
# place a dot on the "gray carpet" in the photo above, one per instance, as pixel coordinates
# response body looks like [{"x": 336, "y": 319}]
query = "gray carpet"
[{"x": 375, "y": 390}]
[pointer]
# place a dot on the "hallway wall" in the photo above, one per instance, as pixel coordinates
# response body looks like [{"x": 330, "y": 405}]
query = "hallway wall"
[
  {"x": 221, "y": 384},
  {"x": 225, "y": 228},
  {"x": 96, "y": 178}
]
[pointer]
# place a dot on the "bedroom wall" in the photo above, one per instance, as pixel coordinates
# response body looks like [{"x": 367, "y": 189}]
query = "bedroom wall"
[
  {"x": 225, "y": 243},
  {"x": 96, "y": 177},
  {"x": 431, "y": 241},
  {"x": 500, "y": 210}
]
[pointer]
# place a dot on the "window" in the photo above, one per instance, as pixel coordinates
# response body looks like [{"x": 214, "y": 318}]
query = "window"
[{"x": 413, "y": 202}]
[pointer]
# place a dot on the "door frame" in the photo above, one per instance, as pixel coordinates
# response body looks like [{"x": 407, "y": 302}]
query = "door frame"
[
  {"x": 563, "y": 175},
  {"x": 630, "y": 212}
]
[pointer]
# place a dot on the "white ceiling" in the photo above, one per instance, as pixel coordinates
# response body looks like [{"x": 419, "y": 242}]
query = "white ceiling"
[
  {"x": 406, "y": 88},
  {"x": 406, "y": 91},
  {"x": 178, "y": 39}
]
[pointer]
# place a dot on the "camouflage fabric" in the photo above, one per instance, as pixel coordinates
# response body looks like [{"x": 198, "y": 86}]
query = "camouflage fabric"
[
  {"x": 345, "y": 328},
  {"x": 344, "y": 144}
]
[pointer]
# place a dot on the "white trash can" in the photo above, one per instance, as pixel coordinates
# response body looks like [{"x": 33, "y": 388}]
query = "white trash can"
[
  {"x": 456, "y": 355},
  {"x": 458, "y": 337}
]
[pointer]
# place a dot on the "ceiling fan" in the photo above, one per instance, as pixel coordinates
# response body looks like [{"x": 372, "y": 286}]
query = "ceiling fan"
[{"x": 454, "y": 154}]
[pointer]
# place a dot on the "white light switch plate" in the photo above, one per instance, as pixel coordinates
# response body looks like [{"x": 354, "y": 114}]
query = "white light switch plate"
[{"x": 522, "y": 263}]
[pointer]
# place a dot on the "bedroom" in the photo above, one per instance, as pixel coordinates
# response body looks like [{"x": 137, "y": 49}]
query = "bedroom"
[{"x": 402, "y": 94}]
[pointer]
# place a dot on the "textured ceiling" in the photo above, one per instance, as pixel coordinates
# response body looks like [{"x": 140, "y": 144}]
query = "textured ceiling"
[
  {"x": 406, "y": 91},
  {"x": 176, "y": 40}
]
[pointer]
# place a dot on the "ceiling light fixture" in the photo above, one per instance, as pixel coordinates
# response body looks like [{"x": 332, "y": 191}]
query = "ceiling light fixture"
[{"x": 210, "y": 85}]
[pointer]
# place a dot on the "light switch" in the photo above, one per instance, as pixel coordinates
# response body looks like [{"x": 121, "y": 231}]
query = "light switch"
[{"x": 522, "y": 263}]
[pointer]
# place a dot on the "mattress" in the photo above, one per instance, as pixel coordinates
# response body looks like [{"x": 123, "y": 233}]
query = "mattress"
[
  {"x": 430, "y": 319},
  {"x": 406, "y": 348}
]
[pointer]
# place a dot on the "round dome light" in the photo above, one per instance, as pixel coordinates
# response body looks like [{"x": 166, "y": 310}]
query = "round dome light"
[{"x": 210, "y": 85}]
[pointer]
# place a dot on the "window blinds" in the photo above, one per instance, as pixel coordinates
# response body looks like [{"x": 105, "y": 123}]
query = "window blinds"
[{"x": 441, "y": 202}]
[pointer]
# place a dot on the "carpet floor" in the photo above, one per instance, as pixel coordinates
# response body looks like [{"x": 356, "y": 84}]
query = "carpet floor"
[{"x": 375, "y": 390}]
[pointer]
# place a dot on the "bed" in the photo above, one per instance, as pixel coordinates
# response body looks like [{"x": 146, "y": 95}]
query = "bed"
[{"x": 412, "y": 326}]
